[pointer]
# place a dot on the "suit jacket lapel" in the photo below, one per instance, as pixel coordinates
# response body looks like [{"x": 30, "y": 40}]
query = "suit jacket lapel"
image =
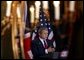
[{"x": 40, "y": 43}]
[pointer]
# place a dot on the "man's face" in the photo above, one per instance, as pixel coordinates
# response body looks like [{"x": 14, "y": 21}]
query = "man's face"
[{"x": 44, "y": 34}]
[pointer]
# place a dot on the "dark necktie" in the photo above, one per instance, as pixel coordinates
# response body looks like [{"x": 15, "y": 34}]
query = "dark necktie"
[{"x": 45, "y": 44}]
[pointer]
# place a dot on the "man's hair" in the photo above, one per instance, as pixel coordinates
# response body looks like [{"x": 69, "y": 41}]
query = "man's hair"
[{"x": 41, "y": 29}]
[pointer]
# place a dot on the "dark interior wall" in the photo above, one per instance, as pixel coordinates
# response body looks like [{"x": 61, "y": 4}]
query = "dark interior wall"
[
  {"x": 80, "y": 44},
  {"x": 76, "y": 48},
  {"x": 6, "y": 46}
]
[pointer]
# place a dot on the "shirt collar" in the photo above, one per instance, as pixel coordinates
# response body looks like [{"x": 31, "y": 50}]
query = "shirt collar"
[{"x": 41, "y": 40}]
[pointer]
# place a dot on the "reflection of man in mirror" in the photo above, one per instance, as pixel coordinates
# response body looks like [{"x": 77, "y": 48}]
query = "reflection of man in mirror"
[{"x": 60, "y": 36}]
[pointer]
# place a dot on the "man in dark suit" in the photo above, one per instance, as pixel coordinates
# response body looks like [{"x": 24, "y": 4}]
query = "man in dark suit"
[{"x": 41, "y": 47}]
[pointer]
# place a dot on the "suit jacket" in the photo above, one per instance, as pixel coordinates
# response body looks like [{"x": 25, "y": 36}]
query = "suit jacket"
[{"x": 38, "y": 49}]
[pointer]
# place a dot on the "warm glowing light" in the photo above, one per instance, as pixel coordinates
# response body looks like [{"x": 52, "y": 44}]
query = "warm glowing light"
[
  {"x": 18, "y": 12},
  {"x": 72, "y": 5},
  {"x": 57, "y": 9},
  {"x": 45, "y": 4},
  {"x": 56, "y": 3},
  {"x": 37, "y": 3},
  {"x": 8, "y": 10},
  {"x": 32, "y": 13}
]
